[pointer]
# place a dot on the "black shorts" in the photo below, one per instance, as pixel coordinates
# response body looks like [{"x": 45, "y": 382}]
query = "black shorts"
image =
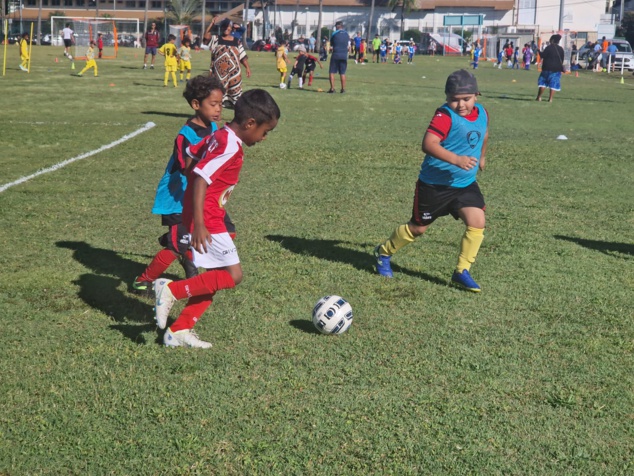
[
  {"x": 68, "y": 43},
  {"x": 435, "y": 201},
  {"x": 310, "y": 69}
]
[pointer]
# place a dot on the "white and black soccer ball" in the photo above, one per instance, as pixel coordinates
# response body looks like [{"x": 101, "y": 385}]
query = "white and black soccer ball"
[
  {"x": 70, "y": 57},
  {"x": 332, "y": 315}
]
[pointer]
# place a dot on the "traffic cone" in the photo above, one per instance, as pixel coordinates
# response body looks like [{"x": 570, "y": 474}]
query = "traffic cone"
[
  {"x": 622, "y": 80},
  {"x": 72, "y": 65},
  {"x": 56, "y": 60}
]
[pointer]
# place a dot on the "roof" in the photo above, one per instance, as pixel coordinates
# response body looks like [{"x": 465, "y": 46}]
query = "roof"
[{"x": 420, "y": 4}]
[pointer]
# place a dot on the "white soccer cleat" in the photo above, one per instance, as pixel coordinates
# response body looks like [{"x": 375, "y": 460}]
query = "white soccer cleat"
[
  {"x": 184, "y": 338},
  {"x": 282, "y": 85},
  {"x": 164, "y": 301}
]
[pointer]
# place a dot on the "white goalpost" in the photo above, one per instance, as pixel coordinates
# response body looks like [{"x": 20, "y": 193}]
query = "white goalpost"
[{"x": 115, "y": 33}]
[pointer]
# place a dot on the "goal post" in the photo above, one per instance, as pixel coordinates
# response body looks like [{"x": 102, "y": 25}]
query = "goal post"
[
  {"x": 180, "y": 32},
  {"x": 115, "y": 33}
]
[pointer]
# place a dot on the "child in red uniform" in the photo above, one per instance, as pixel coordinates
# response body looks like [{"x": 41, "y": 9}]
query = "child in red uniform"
[
  {"x": 210, "y": 184},
  {"x": 204, "y": 95},
  {"x": 100, "y": 44}
]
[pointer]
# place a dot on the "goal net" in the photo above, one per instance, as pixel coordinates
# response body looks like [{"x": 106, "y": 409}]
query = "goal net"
[
  {"x": 180, "y": 32},
  {"x": 115, "y": 33}
]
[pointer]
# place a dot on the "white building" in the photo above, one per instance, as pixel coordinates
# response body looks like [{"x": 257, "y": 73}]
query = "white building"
[{"x": 538, "y": 16}]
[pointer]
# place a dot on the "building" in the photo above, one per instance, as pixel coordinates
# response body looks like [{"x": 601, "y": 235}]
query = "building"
[{"x": 301, "y": 18}]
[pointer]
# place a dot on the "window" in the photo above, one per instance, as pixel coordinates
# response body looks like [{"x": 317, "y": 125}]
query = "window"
[
  {"x": 68, "y": 3},
  {"x": 55, "y": 3},
  {"x": 130, "y": 4},
  {"x": 30, "y": 3},
  {"x": 80, "y": 3},
  {"x": 301, "y": 30},
  {"x": 156, "y": 5}
]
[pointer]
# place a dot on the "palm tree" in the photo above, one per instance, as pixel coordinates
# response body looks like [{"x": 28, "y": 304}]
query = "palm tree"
[
  {"x": 39, "y": 22},
  {"x": 368, "y": 32},
  {"x": 406, "y": 7},
  {"x": 182, "y": 12},
  {"x": 319, "y": 21},
  {"x": 294, "y": 22},
  {"x": 147, "y": 2}
]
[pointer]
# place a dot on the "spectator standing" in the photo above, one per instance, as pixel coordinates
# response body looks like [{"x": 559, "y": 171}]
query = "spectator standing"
[
  {"x": 552, "y": 67},
  {"x": 68, "y": 36},
  {"x": 357, "y": 46},
  {"x": 339, "y": 58},
  {"x": 152, "y": 38},
  {"x": 376, "y": 48}
]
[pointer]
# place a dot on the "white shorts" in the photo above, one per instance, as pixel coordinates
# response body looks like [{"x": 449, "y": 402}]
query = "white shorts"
[{"x": 221, "y": 252}]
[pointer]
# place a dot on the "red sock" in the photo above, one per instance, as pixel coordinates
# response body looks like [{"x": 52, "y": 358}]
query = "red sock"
[
  {"x": 206, "y": 283},
  {"x": 195, "y": 308},
  {"x": 157, "y": 267}
]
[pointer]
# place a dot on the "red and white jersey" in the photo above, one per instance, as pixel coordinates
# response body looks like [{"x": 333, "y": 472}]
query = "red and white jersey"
[{"x": 219, "y": 161}]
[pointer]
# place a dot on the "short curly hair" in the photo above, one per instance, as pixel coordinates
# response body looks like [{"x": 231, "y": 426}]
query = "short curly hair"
[{"x": 200, "y": 87}]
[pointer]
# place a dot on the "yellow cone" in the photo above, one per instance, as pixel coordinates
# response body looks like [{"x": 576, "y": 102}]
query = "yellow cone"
[
  {"x": 622, "y": 80},
  {"x": 72, "y": 65}
]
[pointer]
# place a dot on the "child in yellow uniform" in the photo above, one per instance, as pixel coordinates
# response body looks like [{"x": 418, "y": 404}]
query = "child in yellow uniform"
[
  {"x": 185, "y": 63},
  {"x": 282, "y": 61},
  {"x": 171, "y": 59},
  {"x": 90, "y": 59},
  {"x": 24, "y": 52}
]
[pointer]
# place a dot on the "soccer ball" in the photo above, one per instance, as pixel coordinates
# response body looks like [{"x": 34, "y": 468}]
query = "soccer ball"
[
  {"x": 70, "y": 57},
  {"x": 332, "y": 315},
  {"x": 282, "y": 85}
]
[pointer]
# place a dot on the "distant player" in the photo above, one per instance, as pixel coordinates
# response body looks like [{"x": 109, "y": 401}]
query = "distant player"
[
  {"x": 410, "y": 53},
  {"x": 204, "y": 96},
  {"x": 477, "y": 52},
  {"x": 24, "y": 52},
  {"x": 281, "y": 62},
  {"x": 383, "y": 52},
  {"x": 454, "y": 146},
  {"x": 171, "y": 59},
  {"x": 309, "y": 68},
  {"x": 90, "y": 59},
  {"x": 185, "y": 61},
  {"x": 298, "y": 67},
  {"x": 219, "y": 160},
  {"x": 152, "y": 38}
]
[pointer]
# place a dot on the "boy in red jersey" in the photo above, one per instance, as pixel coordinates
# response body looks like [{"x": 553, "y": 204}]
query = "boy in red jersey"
[
  {"x": 204, "y": 95},
  {"x": 209, "y": 186}
]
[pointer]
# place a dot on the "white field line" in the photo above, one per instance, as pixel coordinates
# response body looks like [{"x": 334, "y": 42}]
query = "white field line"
[{"x": 59, "y": 165}]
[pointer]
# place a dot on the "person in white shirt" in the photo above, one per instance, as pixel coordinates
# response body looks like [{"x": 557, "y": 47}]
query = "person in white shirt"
[{"x": 69, "y": 38}]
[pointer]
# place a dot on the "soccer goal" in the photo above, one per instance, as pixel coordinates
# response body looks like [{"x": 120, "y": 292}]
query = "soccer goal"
[
  {"x": 115, "y": 33},
  {"x": 180, "y": 32}
]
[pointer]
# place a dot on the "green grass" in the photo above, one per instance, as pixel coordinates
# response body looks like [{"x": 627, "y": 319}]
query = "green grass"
[{"x": 533, "y": 376}]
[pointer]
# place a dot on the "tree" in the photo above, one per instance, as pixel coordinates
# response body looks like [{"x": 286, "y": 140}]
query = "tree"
[
  {"x": 406, "y": 8},
  {"x": 319, "y": 25},
  {"x": 182, "y": 12},
  {"x": 368, "y": 31},
  {"x": 39, "y": 21},
  {"x": 626, "y": 29}
]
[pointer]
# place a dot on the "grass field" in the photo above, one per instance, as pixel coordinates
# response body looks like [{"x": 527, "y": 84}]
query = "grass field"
[{"x": 532, "y": 376}]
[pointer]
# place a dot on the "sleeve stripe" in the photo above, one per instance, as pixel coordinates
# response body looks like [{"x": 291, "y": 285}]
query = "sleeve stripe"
[{"x": 210, "y": 168}]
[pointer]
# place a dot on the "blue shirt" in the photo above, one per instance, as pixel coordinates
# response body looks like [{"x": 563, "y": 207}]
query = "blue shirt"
[
  {"x": 339, "y": 43},
  {"x": 171, "y": 188},
  {"x": 465, "y": 138}
]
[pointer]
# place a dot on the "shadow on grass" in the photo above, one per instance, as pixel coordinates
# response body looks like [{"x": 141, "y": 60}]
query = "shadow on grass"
[
  {"x": 168, "y": 114},
  {"x": 329, "y": 250},
  {"x": 101, "y": 289},
  {"x": 607, "y": 247},
  {"x": 304, "y": 326}
]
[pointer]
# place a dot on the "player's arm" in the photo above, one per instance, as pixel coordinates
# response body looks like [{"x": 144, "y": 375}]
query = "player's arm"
[
  {"x": 200, "y": 236},
  {"x": 484, "y": 149},
  {"x": 161, "y": 50},
  {"x": 433, "y": 147}
]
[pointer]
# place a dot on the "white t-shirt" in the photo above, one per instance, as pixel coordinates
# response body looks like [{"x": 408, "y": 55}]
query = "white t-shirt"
[{"x": 67, "y": 33}]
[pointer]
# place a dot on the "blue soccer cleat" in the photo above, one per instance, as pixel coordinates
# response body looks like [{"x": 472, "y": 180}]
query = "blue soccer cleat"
[
  {"x": 465, "y": 281},
  {"x": 383, "y": 266}
]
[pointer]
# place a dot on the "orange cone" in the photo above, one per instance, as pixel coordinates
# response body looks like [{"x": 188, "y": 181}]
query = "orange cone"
[{"x": 56, "y": 60}]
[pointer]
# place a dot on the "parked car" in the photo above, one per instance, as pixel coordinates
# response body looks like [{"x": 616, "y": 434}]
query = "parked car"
[
  {"x": 624, "y": 55},
  {"x": 11, "y": 37},
  {"x": 46, "y": 40},
  {"x": 261, "y": 45}
]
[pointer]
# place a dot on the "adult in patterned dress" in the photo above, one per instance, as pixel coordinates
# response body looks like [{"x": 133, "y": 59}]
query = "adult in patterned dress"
[{"x": 227, "y": 56}]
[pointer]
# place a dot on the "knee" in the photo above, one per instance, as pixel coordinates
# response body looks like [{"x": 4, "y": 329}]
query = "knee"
[
  {"x": 416, "y": 230},
  {"x": 236, "y": 274}
]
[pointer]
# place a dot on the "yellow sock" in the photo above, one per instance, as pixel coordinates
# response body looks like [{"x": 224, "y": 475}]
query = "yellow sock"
[
  {"x": 402, "y": 236},
  {"x": 188, "y": 77},
  {"x": 167, "y": 75},
  {"x": 469, "y": 247},
  {"x": 174, "y": 79}
]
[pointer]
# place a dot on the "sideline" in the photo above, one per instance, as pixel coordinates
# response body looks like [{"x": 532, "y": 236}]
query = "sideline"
[{"x": 59, "y": 165}]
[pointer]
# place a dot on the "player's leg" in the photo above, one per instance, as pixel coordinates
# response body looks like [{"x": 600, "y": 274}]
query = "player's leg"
[
  {"x": 153, "y": 57},
  {"x": 166, "y": 77},
  {"x": 96, "y": 68},
  {"x": 426, "y": 208},
  {"x": 182, "y": 71},
  {"x": 470, "y": 209},
  {"x": 225, "y": 272},
  {"x": 188, "y": 76},
  {"x": 174, "y": 79}
]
